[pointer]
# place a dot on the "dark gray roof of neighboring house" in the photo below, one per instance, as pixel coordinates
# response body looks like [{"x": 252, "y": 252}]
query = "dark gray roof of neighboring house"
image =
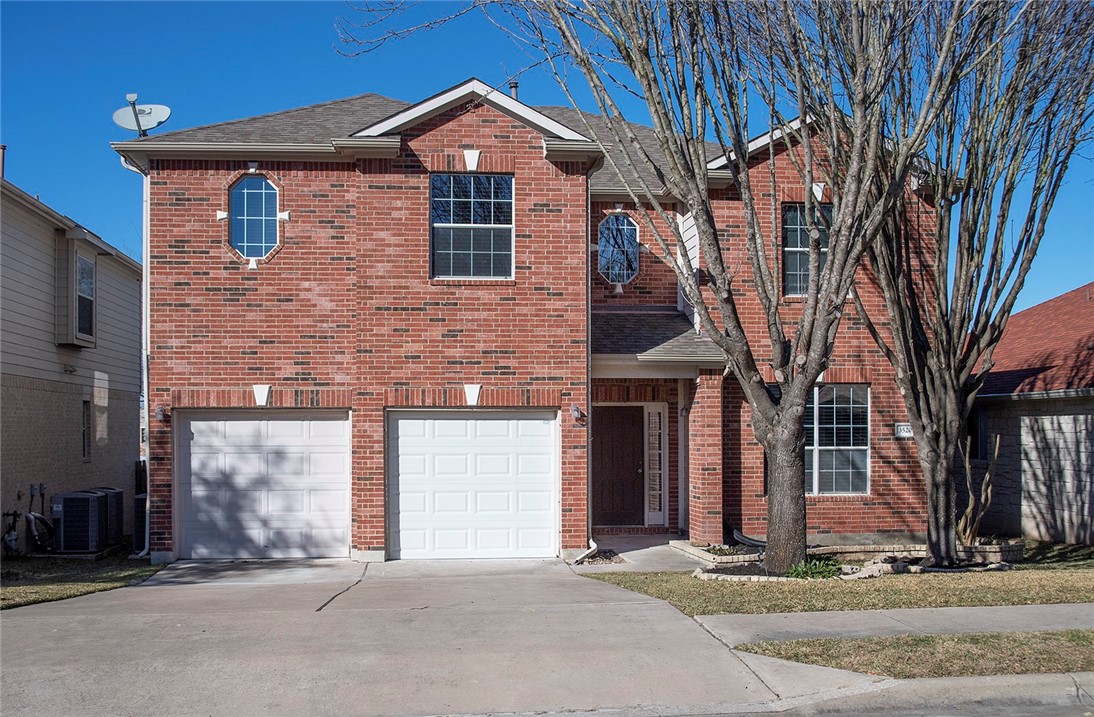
[
  {"x": 314, "y": 124},
  {"x": 653, "y": 334}
]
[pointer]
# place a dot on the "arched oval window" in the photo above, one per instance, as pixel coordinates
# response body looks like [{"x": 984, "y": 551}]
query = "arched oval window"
[
  {"x": 617, "y": 249},
  {"x": 252, "y": 209}
]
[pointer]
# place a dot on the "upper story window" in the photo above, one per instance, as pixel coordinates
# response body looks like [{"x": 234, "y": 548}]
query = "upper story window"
[
  {"x": 796, "y": 247},
  {"x": 837, "y": 439},
  {"x": 472, "y": 226},
  {"x": 252, "y": 211},
  {"x": 85, "y": 297},
  {"x": 617, "y": 249},
  {"x": 77, "y": 272}
]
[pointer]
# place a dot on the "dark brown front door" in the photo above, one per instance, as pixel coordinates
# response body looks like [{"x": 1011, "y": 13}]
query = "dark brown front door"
[{"x": 618, "y": 468}]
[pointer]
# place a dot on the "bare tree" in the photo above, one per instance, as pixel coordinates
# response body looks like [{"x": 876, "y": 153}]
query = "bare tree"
[
  {"x": 999, "y": 152},
  {"x": 827, "y": 75}
]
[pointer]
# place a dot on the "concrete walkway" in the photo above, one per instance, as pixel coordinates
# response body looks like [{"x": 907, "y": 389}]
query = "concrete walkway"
[{"x": 742, "y": 629}]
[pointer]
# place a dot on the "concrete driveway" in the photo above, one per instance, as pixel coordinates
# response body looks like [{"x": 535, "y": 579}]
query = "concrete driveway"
[{"x": 332, "y": 637}]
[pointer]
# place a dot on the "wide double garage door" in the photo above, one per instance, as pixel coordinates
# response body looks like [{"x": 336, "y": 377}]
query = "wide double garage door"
[
  {"x": 276, "y": 484},
  {"x": 473, "y": 484}
]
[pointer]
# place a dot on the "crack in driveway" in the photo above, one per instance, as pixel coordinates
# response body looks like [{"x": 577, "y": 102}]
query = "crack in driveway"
[{"x": 343, "y": 592}]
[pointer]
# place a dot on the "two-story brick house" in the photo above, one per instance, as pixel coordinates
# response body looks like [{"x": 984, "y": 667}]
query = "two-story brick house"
[{"x": 393, "y": 330}]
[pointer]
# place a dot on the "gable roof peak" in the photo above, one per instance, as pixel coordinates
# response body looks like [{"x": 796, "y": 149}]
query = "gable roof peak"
[{"x": 458, "y": 94}]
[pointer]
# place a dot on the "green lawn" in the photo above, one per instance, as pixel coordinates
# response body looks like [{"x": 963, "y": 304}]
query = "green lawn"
[
  {"x": 915, "y": 656},
  {"x": 26, "y": 581}
]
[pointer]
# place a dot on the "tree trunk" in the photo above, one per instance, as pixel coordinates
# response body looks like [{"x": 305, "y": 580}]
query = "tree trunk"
[
  {"x": 937, "y": 462},
  {"x": 785, "y": 498}
]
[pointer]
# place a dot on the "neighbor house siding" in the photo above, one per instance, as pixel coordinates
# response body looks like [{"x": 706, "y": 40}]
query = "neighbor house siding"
[{"x": 44, "y": 385}]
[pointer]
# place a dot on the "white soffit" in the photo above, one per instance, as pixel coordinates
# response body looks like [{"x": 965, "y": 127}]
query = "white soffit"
[{"x": 461, "y": 93}]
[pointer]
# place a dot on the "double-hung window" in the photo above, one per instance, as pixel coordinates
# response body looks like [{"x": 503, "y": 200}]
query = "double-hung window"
[
  {"x": 837, "y": 439},
  {"x": 796, "y": 246},
  {"x": 471, "y": 217}
]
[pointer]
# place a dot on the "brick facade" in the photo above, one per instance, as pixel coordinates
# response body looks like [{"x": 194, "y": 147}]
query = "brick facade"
[{"x": 345, "y": 314}]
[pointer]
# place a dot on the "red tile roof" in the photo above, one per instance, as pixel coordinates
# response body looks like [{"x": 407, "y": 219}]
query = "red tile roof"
[{"x": 1049, "y": 347}]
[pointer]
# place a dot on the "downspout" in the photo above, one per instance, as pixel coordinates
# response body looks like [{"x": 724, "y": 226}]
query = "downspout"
[
  {"x": 146, "y": 344},
  {"x": 593, "y": 166}
]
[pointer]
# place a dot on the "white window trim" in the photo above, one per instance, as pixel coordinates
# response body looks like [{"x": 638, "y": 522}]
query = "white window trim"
[
  {"x": 92, "y": 258},
  {"x": 795, "y": 249},
  {"x": 278, "y": 216},
  {"x": 814, "y": 489},
  {"x": 638, "y": 242},
  {"x": 433, "y": 275}
]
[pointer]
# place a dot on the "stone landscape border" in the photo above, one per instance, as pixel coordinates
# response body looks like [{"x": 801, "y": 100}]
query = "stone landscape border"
[{"x": 1005, "y": 553}]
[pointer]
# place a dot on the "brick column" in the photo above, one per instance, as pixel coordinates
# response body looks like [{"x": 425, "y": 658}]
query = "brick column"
[{"x": 705, "y": 459}]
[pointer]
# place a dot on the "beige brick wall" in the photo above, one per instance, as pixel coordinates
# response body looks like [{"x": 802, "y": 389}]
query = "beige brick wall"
[
  {"x": 1044, "y": 485},
  {"x": 41, "y": 440}
]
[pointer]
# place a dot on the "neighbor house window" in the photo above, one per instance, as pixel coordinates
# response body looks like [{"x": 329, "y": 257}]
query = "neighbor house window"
[
  {"x": 617, "y": 249},
  {"x": 252, "y": 210},
  {"x": 85, "y": 297},
  {"x": 796, "y": 247},
  {"x": 86, "y": 415},
  {"x": 837, "y": 439},
  {"x": 472, "y": 225}
]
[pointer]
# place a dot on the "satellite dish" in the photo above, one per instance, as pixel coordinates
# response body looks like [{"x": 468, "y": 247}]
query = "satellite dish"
[{"x": 141, "y": 118}]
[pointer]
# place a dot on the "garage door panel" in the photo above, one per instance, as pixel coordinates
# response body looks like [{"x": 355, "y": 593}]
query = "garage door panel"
[
  {"x": 275, "y": 486},
  {"x": 467, "y": 487}
]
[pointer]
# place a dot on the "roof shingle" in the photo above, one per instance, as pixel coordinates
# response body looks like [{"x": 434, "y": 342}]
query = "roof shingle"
[{"x": 1048, "y": 347}]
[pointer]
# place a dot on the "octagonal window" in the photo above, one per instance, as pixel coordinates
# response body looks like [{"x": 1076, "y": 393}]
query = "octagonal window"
[
  {"x": 617, "y": 249},
  {"x": 252, "y": 209}
]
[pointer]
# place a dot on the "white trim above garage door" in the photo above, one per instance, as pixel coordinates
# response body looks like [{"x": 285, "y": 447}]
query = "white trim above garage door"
[
  {"x": 263, "y": 483},
  {"x": 473, "y": 484}
]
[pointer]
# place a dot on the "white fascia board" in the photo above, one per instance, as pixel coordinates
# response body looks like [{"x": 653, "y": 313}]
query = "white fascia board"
[
  {"x": 382, "y": 147},
  {"x": 141, "y": 152},
  {"x": 762, "y": 141},
  {"x": 461, "y": 93},
  {"x": 627, "y": 366}
]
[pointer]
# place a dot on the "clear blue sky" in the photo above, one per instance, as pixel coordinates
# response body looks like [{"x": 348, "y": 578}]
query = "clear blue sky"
[{"x": 65, "y": 67}]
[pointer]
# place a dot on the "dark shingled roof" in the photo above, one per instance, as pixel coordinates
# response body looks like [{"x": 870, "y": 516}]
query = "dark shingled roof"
[
  {"x": 338, "y": 119},
  {"x": 651, "y": 335},
  {"x": 314, "y": 124},
  {"x": 1049, "y": 347}
]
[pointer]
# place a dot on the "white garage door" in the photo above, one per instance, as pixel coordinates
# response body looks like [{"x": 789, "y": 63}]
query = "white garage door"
[
  {"x": 473, "y": 484},
  {"x": 264, "y": 484}
]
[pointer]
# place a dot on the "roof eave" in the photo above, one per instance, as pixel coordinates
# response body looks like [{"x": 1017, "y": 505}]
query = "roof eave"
[
  {"x": 570, "y": 150},
  {"x": 141, "y": 152}
]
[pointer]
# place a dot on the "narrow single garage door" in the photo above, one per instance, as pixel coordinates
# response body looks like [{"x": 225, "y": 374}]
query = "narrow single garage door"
[
  {"x": 473, "y": 484},
  {"x": 264, "y": 484}
]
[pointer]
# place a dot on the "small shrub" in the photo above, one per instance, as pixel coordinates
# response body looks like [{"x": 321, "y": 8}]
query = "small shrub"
[{"x": 815, "y": 569}]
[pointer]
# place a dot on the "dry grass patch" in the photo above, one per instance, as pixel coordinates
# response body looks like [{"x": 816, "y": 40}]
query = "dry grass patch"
[
  {"x": 26, "y": 581},
  {"x": 915, "y": 656},
  {"x": 1014, "y": 587}
]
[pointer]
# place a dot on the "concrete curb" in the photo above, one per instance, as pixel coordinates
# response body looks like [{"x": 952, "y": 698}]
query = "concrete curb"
[{"x": 946, "y": 693}]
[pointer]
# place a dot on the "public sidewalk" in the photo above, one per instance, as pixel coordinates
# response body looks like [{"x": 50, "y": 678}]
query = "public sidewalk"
[{"x": 741, "y": 629}]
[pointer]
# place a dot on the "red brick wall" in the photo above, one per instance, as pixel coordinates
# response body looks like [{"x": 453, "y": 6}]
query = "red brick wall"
[
  {"x": 346, "y": 309},
  {"x": 655, "y": 284},
  {"x": 896, "y": 499}
]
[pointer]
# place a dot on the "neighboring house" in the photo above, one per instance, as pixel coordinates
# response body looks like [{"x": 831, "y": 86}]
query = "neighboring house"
[
  {"x": 422, "y": 330},
  {"x": 70, "y": 356},
  {"x": 1039, "y": 399}
]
